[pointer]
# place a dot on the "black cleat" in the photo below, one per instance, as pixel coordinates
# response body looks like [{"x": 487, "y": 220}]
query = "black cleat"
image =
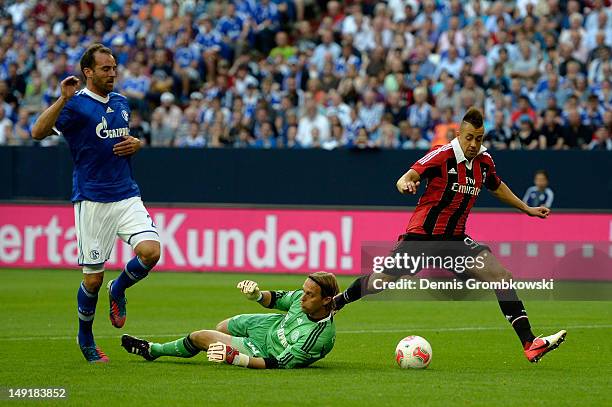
[{"x": 137, "y": 346}]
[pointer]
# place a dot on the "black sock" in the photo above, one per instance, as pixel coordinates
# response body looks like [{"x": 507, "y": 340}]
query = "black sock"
[
  {"x": 190, "y": 346},
  {"x": 355, "y": 291},
  {"x": 514, "y": 311}
]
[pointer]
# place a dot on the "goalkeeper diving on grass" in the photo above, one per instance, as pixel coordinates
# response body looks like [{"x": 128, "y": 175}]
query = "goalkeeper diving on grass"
[{"x": 301, "y": 335}]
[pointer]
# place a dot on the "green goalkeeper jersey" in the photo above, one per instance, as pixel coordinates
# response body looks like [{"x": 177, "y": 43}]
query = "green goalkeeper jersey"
[{"x": 293, "y": 338}]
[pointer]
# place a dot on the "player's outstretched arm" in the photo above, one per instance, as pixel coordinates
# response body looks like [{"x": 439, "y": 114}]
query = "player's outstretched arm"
[
  {"x": 505, "y": 194},
  {"x": 43, "y": 126},
  {"x": 409, "y": 182},
  {"x": 251, "y": 291}
]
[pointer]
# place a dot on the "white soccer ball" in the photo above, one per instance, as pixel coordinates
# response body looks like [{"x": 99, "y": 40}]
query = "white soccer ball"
[{"x": 413, "y": 352}]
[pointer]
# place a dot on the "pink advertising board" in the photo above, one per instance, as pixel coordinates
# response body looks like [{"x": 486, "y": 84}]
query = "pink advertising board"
[{"x": 287, "y": 241}]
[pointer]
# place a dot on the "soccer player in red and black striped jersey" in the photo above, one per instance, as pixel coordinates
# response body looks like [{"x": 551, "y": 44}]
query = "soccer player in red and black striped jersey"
[{"x": 455, "y": 174}]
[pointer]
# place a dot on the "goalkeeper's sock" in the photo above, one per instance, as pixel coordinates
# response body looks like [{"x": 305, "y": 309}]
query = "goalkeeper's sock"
[
  {"x": 134, "y": 271},
  {"x": 86, "y": 302},
  {"x": 514, "y": 311},
  {"x": 182, "y": 348}
]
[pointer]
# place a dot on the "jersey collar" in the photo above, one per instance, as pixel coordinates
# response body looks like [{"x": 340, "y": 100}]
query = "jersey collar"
[
  {"x": 95, "y": 96},
  {"x": 460, "y": 157},
  {"x": 318, "y": 321}
]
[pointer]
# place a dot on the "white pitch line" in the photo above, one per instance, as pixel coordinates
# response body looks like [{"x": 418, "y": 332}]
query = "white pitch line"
[
  {"x": 364, "y": 331},
  {"x": 469, "y": 328}
]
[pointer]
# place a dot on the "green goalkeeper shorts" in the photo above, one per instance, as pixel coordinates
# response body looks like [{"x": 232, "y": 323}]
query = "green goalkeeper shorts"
[{"x": 249, "y": 332}]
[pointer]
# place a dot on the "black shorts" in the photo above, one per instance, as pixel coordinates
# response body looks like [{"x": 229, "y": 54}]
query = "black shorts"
[{"x": 435, "y": 252}]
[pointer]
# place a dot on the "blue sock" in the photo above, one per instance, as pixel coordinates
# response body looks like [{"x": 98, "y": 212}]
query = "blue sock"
[
  {"x": 133, "y": 272},
  {"x": 87, "y": 310}
]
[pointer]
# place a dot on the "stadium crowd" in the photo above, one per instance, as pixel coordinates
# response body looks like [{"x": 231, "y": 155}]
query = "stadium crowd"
[{"x": 396, "y": 74}]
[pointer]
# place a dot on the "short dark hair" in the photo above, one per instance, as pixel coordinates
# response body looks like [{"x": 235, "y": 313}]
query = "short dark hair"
[
  {"x": 554, "y": 110},
  {"x": 474, "y": 117},
  {"x": 88, "y": 60},
  {"x": 543, "y": 172}
]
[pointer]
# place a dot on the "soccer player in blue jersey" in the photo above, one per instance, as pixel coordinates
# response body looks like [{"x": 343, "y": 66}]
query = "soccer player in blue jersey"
[{"x": 95, "y": 123}]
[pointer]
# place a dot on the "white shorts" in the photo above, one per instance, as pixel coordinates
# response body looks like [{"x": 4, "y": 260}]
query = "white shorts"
[{"x": 98, "y": 224}]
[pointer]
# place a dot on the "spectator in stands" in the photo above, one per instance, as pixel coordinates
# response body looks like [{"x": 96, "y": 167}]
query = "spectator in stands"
[
  {"x": 292, "y": 142},
  {"x": 327, "y": 49},
  {"x": 526, "y": 65},
  {"x": 162, "y": 76},
  {"x": 524, "y": 136},
  {"x": 598, "y": 45},
  {"x": 388, "y": 139},
  {"x": 135, "y": 86},
  {"x": 35, "y": 90},
  {"x": 395, "y": 108},
  {"x": 337, "y": 135},
  {"x": 447, "y": 124},
  {"x": 550, "y": 133},
  {"x": 593, "y": 114},
  {"x": 233, "y": 29},
  {"x": 416, "y": 140},
  {"x": 470, "y": 86},
  {"x": 451, "y": 63},
  {"x": 551, "y": 88},
  {"x": 370, "y": 113},
  {"x": 312, "y": 119},
  {"x": 193, "y": 139},
  {"x": 500, "y": 136},
  {"x": 524, "y": 110},
  {"x": 602, "y": 140},
  {"x": 140, "y": 128},
  {"x": 336, "y": 50},
  {"x": 539, "y": 194},
  {"x": 283, "y": 48},
  {"x": 448, "y": 97},
  {"x": 337, "y": 107},
  {"x": 266, "y": 137},
  {"x": 21, "y": 132},
  {"x": 574, "y": 133},
  {"x": 165, "y": 121},
  {"x": 6, "y": 128},
  {"x": 266, "y": 22},
  {"x": 419, "y": 113},
  {"x": 363, "y": 141}
]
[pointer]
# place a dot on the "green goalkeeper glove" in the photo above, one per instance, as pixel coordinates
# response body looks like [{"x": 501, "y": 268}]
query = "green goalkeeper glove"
[{"x": 250, "y": 290}]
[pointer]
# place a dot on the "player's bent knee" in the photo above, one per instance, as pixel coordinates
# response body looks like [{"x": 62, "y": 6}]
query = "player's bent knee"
[
  {"x": 199, "y": 339},
  {"x": 149, "y": 252},
  {"x": 222, "y": 326},
  {"x": 499, "y": 274},
  {"x": 505, "y": 274},
  {"x": 93, "y": 281},
  {"x": 203, "y": 338}
]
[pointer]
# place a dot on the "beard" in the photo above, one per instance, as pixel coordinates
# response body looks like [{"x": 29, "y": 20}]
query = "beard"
[{"x": 104, "y": 85}]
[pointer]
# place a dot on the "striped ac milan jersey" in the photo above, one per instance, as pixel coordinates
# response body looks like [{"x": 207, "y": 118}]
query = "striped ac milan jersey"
[{"x": 453, "y": 184}]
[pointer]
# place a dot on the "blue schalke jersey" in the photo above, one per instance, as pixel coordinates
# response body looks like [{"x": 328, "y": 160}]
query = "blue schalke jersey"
[{"x": 92, "y": 125}]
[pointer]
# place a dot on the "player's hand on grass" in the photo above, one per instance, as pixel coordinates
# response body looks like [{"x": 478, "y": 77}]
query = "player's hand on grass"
[
  {"x": 540, "y": 211},
  {"x": 219, "y": 352},
  {"x": 69, "y": 86},
  {"x": 128, "y": 146},
  {"x": 250, "y": 289},
  {"x": 407, "y": 187}
]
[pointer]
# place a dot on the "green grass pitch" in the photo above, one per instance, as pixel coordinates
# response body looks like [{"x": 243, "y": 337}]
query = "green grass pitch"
[{"x": 477, "y": 359}]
